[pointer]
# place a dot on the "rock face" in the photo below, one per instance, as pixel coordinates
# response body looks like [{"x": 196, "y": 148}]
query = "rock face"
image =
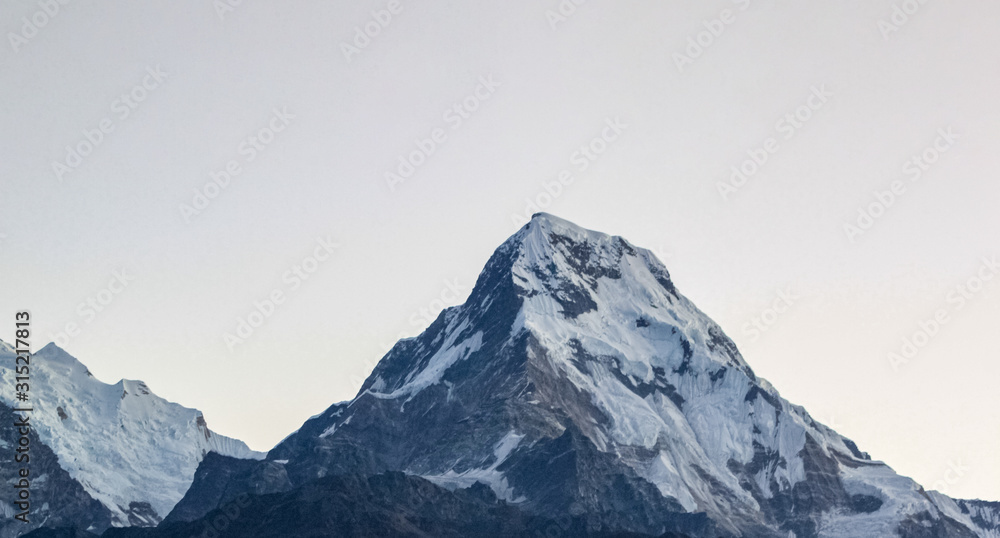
[
  {"x": 222, "y": 480},
  {"x": 60, "y": 532},
  {"x": 101, "y": 455},
  {"x": 580, "y": 386},
  {"x": 57, "y": 499},
  {"x": 389, "y": 504},
  {"x": 577, "y": 382}
]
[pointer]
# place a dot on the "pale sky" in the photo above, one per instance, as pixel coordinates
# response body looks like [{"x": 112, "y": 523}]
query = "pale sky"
[{"x": 309, "y": 128}]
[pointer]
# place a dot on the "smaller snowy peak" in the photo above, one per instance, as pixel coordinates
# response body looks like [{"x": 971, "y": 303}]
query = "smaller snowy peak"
[
  {"x": 56, "y": 358},
  {"x": 53, "y": 351},
  {"x": 121, "y": 441}
]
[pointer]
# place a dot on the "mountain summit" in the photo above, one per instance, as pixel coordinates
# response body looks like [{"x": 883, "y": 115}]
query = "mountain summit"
[
  {"x": 102, "y": 454},
  {"x": 579, "y": 385}
]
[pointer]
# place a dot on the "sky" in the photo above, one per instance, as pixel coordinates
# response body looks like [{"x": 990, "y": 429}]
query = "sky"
[{"x": 820, "y": 178}]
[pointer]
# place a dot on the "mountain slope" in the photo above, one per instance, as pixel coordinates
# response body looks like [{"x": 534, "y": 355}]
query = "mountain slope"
[
  {"x": 383, "y": 505},
  {"x": 576, "y": 381},
  {"x": 386, "y": 505},
  {"x": 66, "y": 503},
  {"x": 121, "y": 448}
]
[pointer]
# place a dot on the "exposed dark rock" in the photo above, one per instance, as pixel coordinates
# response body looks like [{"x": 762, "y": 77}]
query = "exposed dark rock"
[
  {"x": 219, "y": 480},
  {"x": 60, "y": 532},
  {"x": 924, "y": 525},
  {"x": 141, "y": 514},
  {"x": 384, "y": 505},
  {"x": 985, "y": 515},
  {"x": 854, "y": 450},
  {"x": 717, "y": 375},
  {"x": 558, "y": 470},
  {"x": 757, "y": 392},
  {"x": 865, "y": 504},
  {"x": 56, "y": 498}
]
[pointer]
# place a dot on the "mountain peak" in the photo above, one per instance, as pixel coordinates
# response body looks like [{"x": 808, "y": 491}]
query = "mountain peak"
[
  {"x": 548, "y": 228},
  {"x": 550, "y": 220},
  {"x": 52, "y": 346},
  {"x": 577, "y": 380},
  {"x": 557, "y": 259},
  {"x": 124, "y": 444},
  {"x": 52, "y": 351}
]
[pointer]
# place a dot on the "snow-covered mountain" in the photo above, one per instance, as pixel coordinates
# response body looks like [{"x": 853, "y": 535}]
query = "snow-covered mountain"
[
  {"x": 579, "y": 385},
  {"x": 121, "y": 445},
  {"x": 577, "y": 381}
]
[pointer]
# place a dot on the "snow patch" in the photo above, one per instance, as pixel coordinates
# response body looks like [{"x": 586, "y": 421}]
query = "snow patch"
[
  {"x": 489, "y": 476},
  {"x": 448, "y": 355}
]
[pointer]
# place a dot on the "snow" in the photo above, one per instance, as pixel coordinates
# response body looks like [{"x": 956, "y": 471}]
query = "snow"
[
  {"x": 705, "y": 412},
  {"x": 333, "y": 427},
  {"x": 901, "y": 497},
  {"x": 121, "y": 442},
  {"x": 666, "y": 474},
  {"x": 702, "y": 410},
  {"x": 489, "y": 476},
  {"x": 446, "y": 356},
  {"x": 716, "y": 424},
  {"x": 611, "y": 331},
  {"x": 951, "y": 509}
]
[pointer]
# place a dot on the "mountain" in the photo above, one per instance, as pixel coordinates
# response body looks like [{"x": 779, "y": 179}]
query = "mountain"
[
  {"x": 347, "y": 506},
  {"x": 581, "y": 387},
  {"x": 101, "y": 455},
  {"x": 387, "y": 505},
  {"x": 577, "y": 380}
]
